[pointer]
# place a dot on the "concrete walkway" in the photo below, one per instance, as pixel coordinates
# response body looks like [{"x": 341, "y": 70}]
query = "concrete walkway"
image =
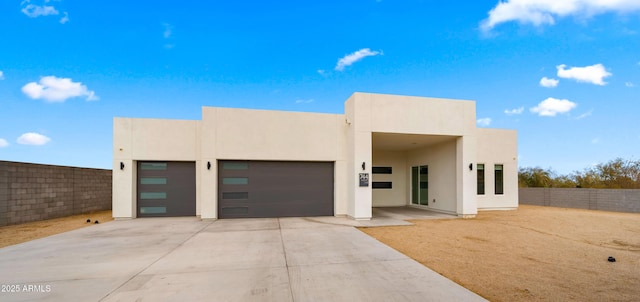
[{"x": 185, "y": 259}]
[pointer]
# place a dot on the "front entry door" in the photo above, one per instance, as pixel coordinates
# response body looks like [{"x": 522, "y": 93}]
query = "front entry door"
[{"x": 420, "y": 185}]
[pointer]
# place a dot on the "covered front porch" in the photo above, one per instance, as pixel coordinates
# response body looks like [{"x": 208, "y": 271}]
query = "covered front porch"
[{"x": 415, "y": 170}]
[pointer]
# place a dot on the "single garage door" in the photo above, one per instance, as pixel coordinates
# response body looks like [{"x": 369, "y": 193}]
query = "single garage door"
[
  {"x": 274, "y": 189},
  {"x": 166, "y": 189}
]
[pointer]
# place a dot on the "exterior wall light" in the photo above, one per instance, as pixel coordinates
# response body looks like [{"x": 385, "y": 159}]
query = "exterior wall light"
[
  {"x": 121, "y": 166},
  {"x": 208, "y": 165},
  {"x": 363, "y": 166},
  {"x": 470, "y": 167}
]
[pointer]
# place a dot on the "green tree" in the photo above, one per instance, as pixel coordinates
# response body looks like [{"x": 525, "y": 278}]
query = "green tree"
[
  {"x": 615, "y": 174},
  {"x": 534, "y": 177}
]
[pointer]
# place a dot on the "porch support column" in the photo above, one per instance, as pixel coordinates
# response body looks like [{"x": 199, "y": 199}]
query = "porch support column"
[
  {"x": 359, "y": 154},
  {"x": 466, "y": 186}
]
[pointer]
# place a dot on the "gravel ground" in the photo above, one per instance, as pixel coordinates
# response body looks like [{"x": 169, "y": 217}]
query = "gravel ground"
[
  {"x": 530, "y": 254},
  {"x": 14, "y": 234}
]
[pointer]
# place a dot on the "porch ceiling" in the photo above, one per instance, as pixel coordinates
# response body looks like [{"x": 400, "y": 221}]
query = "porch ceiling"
[{"x": 404, "y": 142}]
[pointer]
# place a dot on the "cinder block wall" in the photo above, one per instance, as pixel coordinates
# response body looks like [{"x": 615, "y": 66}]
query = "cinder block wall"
[
  {"x": 616, "y": 200},
  {"x": 32, "y": 192}
]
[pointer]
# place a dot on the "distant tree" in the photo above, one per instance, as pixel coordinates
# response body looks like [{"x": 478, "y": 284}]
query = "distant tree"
[
  {"x": 564, "y": 181},
  {"x": 534, "y": 177},
  {"x": 620, "y": 174},
  {"x": 615, "y": 174}
]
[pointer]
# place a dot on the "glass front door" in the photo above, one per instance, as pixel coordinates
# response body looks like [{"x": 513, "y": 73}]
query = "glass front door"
[{"x": 420, "y": 185}]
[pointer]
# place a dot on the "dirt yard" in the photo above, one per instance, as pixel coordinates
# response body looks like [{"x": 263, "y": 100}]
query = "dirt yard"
[
  {"x": 14, "y": 234},
  {"x": 532, "y": 254}
]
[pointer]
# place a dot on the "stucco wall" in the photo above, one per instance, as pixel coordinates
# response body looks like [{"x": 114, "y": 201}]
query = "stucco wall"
[
  {"x": 226, "y": 134},
  {"x": 245, "y": 134},
  {"x": 498, "y": 146},
  {"x": 32, "y": 192},
  {"x": 616, "y": 200},
  {"x": 137, "y": 139},
  {"x": 397, "y": 196},
  {"x": 378, "y": 113},
  {"x": 441, "y": 159}
]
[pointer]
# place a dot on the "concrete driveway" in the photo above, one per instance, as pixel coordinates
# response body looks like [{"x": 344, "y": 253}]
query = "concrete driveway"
[{"x": 185, "y": 259}]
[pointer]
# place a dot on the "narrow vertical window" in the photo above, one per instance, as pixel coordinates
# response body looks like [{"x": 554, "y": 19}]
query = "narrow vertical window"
[
  {"x": 480, "y": 171},
  {"x": 499, "y": 180}
]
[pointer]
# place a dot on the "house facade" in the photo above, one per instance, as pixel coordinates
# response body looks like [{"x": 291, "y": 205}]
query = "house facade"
[{"x": 385, "y": 150}]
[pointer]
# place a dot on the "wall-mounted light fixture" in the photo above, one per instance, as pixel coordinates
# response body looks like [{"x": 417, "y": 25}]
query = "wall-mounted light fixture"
[
  {"x": 121, "y": 166},
  {"x": 470, "y": 167},
  {"x": 208, "y": 165},
  {"x": 363, "y": 166}
]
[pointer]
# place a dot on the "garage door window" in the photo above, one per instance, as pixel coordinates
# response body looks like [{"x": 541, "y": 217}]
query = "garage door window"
[
  {"x": 153, "y": 166},
  {"x": 153, "y": 195},
  {"x": 235, "y": 195},
  {"x": 153, "y": 210},
  {"x": 153, "y": 181},
  {"x": 235, "y": 181}
]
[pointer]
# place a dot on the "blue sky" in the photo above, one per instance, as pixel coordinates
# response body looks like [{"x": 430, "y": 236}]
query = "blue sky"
[{"x": 565, "y": 74}]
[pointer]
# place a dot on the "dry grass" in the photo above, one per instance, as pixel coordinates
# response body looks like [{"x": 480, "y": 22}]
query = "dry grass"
[
  {"x": 532, "y": 254},
  {"x": 14, "y": 234}
]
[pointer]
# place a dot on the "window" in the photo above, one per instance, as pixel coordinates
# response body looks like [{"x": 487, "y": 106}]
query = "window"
[
  {"x": 153, "y": 210},
  {"x": 381, "y": 185},
  {"x": 235, "y": 195},
  {"x": 382, "y": 170},
  {"x": 153, "y": 181},
  {"x": 480, "y": 171},
  {"x": 420, "y": 185},
  {"x": 153, "y": 166},
  {"x": 153, "y": 195},
  {"x": 235, "y": 181},
  {"x": 499, "y": 180}
]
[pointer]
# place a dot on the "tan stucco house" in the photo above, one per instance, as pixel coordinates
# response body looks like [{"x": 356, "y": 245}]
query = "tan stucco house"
[{"x": 385, "y": 150}]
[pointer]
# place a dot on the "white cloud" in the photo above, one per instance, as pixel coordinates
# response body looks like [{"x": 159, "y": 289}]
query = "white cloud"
[
  {"x": 322, "y": 72},
  {"x": 32, "y": 138},
  {"x": 586, "y": 114},
  {"x": 483, "y": 122},
  {"x": 35, "y": 11},
  {"x": 541, "y": 12},
  {"x": 549, "y": 83},
  {"x": 3, "y": 143},
  {"x": 627, "y": 84},
  {"x": 64, "y": 18},
  {"x": 1, "y": 75},
  {"x": 514, "y": 111},
  {"x": 355, "y": 57},
  {"x": 595, "y": 140},
  {"x": 593, "y": 74},
  {"x": 304, "y": 101},
  {"x": 53, "y": 89},
  {"x": 551, "y": 107},
  {"x": 168, "y": 30}
]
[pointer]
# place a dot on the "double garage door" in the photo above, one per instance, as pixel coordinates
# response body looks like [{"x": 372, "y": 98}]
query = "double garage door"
[
  {"x": 245, "y": 189},
  {"x": 274, "y": 189}
]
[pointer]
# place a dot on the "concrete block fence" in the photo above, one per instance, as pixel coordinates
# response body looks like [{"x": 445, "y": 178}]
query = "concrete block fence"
[
  {"x": 32, "y": 192},
  {"x": 615, "y": 200}
]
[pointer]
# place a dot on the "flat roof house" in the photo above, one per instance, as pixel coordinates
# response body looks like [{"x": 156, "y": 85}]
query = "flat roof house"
[{"x": 385, "y": 150}]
